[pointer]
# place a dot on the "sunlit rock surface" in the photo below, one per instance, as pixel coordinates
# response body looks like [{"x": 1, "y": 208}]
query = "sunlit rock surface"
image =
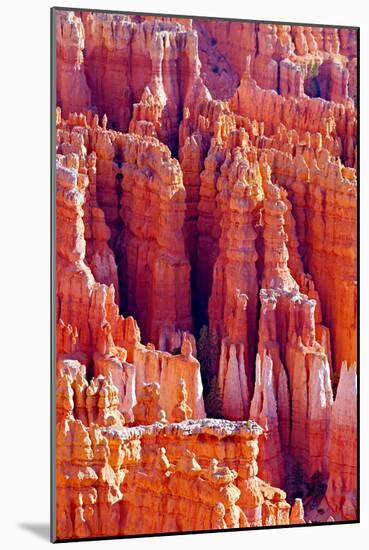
[{"x": 206, "y": 297}]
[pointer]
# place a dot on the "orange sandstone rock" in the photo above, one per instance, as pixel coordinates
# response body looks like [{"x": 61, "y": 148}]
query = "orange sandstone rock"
[
  {"x": 152, "y": 246},
  {"x": 181, "y": 411},
  {"x": 70, "y": 42},
  {"x": 252, "y": 232},
  {"x": 342, "y": 455},
  {"x": 297, "y": 513}
]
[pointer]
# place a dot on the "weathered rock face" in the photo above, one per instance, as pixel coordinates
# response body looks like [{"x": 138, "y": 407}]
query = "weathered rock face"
[
  {"x": 89, "y": 474},
  {"x": 109, "y": 478},
  {"x": 284, "y": 58},
  {"x": 311, "y": 114},
  {"x": 206, "y": 205},
  {"x": 166, "y": 370},
  {"x": 342, "y": 485},
  {"x": 93, "y": 403},
  {"x": 151, "y": 248},
  {"x": 152, "y": 245},
  {"x": 233, "y": 302},
  {"x": 70, "y": 42},
  {"x": 141, "y": 70}
]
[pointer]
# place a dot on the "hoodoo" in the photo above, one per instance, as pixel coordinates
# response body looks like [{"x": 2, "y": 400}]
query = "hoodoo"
[{"x": 206, "y": 205}]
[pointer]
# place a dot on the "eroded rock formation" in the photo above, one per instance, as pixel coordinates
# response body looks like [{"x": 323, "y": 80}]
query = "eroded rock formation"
[
  {"x": 206, "y": 201},
  {"x": 124, "y": 472},
  {"x": 342, "y": 485}
]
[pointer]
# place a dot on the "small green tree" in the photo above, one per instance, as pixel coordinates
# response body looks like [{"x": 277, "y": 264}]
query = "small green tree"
[
  {"x": 317, "y": 486},
  {"x": 203, "y": 343},
  {"x": 208, "y": 355},
  {"x": 296, "y": 481},
  {"x": 214, "y": 351},
  {"x": 213, "y": 401},
  {"x": 335, "y": 380},
  {"x": 314, "y": 70}
]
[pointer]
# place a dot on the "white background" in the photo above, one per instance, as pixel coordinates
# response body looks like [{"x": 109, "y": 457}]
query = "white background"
[{"x": 24, "y": 271}]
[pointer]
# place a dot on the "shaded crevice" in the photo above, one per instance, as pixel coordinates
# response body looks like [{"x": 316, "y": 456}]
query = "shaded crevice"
[{"x": 117, "y": 247}]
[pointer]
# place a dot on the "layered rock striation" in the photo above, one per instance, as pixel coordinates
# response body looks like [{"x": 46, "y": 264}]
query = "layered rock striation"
[
  {"x": 206, "y": 210},
  {"x": 109, "y": 479}
]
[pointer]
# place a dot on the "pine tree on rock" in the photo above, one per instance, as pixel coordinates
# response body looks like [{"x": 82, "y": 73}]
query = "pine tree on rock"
[{"x": 213, "y": 403}]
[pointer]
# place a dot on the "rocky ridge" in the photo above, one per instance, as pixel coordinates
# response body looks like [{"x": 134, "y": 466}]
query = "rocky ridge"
[{"x": 188, "y": 196}]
